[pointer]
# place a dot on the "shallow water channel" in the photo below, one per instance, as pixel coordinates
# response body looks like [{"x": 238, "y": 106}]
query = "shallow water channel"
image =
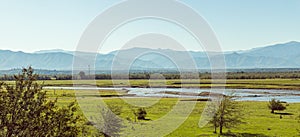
[{"x": 290, "y": 96}]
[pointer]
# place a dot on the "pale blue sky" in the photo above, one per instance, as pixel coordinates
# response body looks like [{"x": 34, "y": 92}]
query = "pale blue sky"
[{"x": 33, "y": 25}]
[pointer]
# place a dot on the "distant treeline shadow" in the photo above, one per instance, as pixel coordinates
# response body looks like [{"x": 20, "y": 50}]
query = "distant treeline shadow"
[
  {"x": 244, "y": 135},
  {"x": 279, "y": 113}
]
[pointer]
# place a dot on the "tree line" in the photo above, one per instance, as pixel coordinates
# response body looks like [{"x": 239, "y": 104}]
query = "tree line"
[{"x": 145, "y": 75}]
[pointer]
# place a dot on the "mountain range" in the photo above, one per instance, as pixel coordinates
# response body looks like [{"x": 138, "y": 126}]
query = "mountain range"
[{"x": 286, "y": 55}]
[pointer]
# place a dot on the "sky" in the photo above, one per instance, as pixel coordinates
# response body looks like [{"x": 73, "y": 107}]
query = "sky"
[{"x": 34, "y": 25}]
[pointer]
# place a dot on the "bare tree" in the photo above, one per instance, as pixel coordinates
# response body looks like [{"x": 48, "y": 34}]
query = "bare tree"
[
  {"x": 111, "y": 124},
  {"x": 81, "y": 75},
  {"x": 227, "y": 114}
]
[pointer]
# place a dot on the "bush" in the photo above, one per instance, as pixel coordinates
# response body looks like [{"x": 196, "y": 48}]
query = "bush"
[
  {"x": 276, "y": 105},
  {"x": 141, "y": 114}
]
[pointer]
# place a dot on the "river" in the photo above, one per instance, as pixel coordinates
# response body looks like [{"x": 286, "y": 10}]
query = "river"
[{"x": 290, "y": 96}]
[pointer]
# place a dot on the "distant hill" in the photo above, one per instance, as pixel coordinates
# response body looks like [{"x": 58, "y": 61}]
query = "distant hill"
[
  {"x": 286, "y": 55},
  {"x": 53, "y": 51},
  {"x": 51, "y": 61},
  {"x": 286, "y": 50}
]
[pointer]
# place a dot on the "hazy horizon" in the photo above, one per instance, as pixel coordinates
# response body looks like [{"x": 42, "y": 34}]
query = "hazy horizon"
[{"x": 61, "y": 49}]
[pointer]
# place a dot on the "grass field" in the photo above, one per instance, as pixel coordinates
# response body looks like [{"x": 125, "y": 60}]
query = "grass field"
[
  {"x": 258, "y": 119},
  {"x": 293, "y": 84}
]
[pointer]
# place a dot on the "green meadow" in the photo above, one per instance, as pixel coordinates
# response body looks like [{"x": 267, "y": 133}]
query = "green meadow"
[
  {"x": 292, "y": 84},
  {"x": 258, "y": 121}
]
